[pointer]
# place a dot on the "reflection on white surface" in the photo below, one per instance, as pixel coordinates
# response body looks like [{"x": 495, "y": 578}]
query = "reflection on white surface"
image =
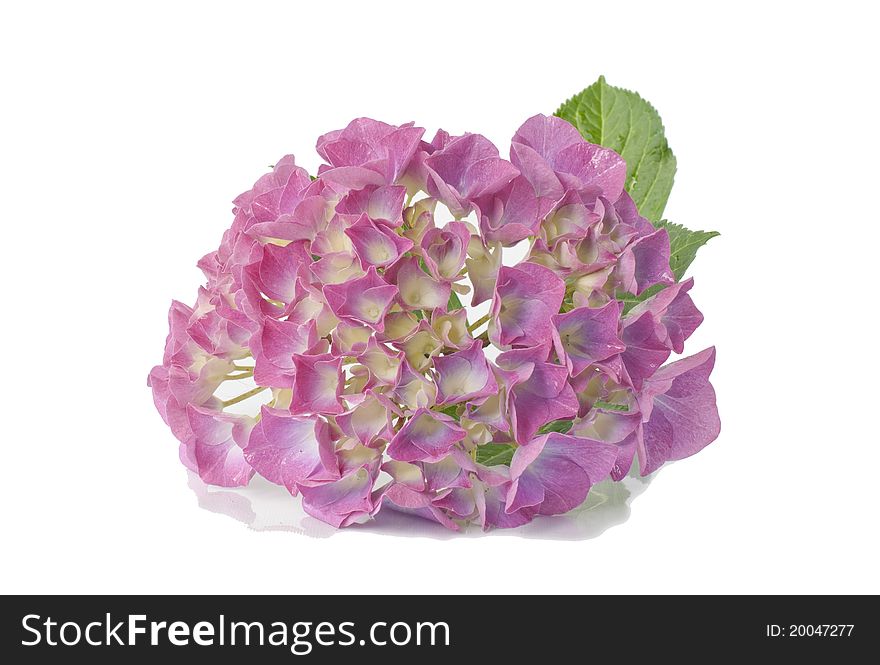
[{"x": 266, "y": 507}]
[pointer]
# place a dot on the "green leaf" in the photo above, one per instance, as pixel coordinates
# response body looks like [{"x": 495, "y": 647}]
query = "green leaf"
[
  {"x": 629, "y": 300},
  {"x": 492, "y": 454},
  {"x": 561, "y": 426},
  {"x": 451, "y": 411},
  {"x": 608, "y": 406},
  {"x": 454, "y": 302},
  {"x": 684, "y": 244},
  {"x": 626, "y": 123}
]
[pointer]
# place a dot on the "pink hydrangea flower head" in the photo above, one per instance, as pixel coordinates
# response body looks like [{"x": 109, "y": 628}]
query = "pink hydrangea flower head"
[{"x": 330, "y": 350}]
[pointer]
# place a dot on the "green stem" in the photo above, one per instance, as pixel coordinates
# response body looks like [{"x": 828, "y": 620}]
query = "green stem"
[
  {"x": 244, "y": 396},
  {"x": 476, "y": 324},
  {"x": 236, "y": 377}
]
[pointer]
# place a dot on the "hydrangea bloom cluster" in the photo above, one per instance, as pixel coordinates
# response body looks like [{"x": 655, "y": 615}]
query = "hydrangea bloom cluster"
[{"x": 337, "y": 299}]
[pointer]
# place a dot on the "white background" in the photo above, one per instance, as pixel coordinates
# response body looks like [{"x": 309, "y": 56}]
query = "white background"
[{"x": 126, "y": 132}]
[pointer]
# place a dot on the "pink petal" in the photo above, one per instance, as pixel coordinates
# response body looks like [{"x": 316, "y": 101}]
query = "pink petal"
[
  {"x": 365, "y": 300},
  {"x": 464, "y": 376},
  {"x": 376, "y": 244},
  {"x": 427, "y": 436},
  {"x": 290, "y": 450},
  {"x": 682, "y": 418},
  {"x": 317, "y": 384},
  {"x": 218, "y": 439},
  {"x": 587, "y": 335},
  {"x": 554, "y": 472}
]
